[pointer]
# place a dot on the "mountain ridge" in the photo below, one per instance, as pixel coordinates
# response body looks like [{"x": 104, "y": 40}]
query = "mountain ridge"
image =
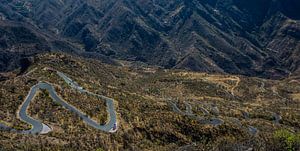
[{"x": 257, "y": 38}]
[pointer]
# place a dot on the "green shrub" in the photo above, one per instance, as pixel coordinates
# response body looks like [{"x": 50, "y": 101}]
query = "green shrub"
[{"x": 290, "y": 141}]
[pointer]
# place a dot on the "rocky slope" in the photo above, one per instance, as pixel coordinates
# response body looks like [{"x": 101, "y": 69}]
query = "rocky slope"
[
  {"x": 157, "y": 109},
  {"x": 256, "y": 38}
]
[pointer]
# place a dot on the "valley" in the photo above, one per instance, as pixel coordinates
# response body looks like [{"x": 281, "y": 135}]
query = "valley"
[{"x": 162, "y": 75}]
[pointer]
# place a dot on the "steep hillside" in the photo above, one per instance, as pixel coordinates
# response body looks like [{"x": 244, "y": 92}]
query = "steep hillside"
[
  {"x": 157, "y": 109},
  {"x": 257, "y": 38}
]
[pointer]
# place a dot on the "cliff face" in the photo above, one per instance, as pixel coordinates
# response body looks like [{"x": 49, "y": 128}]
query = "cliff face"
[{"x": 257, "y": 37}]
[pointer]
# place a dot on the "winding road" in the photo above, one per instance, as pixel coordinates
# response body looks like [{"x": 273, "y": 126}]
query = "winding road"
[
  {"x": 201, "y": 120},
  {"x": 215, "y": 121},
  {"x": 40, "y": 128}
]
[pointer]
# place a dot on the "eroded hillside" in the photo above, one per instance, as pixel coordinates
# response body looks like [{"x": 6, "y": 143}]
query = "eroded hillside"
[{"x": 254, "y": 38}]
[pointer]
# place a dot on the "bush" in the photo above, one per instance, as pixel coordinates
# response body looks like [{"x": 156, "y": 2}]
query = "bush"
[{"x": 287, "y": 140}]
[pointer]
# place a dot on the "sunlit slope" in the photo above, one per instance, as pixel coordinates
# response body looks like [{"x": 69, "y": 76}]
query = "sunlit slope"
[{"x": 156, "y": 108}]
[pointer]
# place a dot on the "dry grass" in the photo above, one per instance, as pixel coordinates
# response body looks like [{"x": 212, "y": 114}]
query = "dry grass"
[{"x": 147, "y": 121}]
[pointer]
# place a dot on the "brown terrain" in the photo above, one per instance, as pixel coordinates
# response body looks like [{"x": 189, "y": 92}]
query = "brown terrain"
[{"x": 255, "y": 113}]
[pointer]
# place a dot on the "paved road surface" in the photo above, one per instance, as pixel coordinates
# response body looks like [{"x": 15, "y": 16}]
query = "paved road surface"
[
  {"x": 40, "y": 128},
  {"x": 201, "y": 120}
]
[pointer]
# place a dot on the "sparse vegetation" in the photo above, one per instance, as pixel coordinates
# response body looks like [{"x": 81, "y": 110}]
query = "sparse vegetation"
[{"x": 147, "y": 121}]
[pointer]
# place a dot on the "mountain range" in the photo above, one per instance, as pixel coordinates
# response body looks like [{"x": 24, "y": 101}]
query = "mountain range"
[
  {"x": 253, "y": 38},
  {"x": 150, "y": 75}
]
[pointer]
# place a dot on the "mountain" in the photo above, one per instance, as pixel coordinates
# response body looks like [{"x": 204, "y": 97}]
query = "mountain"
[
  {"x": 162, "y": 74},
  {"x": 254, "y": 38},
  {"x": 157, "y": 109}
]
